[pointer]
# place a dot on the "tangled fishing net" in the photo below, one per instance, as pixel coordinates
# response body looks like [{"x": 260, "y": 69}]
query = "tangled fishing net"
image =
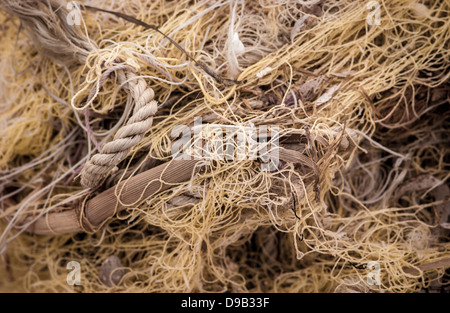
[{"x": 356, "y": 110}]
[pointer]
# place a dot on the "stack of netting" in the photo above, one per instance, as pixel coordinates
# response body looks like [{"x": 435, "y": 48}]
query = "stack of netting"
[{"x": 90, "y": 104}]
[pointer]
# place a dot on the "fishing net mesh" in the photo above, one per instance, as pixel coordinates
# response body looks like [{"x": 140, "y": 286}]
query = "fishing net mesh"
[{"x": 366, "y": 106}]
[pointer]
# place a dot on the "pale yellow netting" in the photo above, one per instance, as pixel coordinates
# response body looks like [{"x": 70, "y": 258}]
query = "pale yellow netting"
[{"x": 364, "y": 103}]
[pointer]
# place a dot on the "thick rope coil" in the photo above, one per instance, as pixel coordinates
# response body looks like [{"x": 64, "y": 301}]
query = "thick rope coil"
[{"x": 129, "y": 135}]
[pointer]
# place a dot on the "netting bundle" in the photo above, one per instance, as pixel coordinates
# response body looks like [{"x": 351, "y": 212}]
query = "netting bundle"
[{"x": 312, "y": 137}]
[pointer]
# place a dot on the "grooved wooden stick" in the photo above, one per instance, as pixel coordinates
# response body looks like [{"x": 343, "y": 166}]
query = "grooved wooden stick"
[
  {"x": 429, "y": 266},
  {"x": 132, "y": 191}
]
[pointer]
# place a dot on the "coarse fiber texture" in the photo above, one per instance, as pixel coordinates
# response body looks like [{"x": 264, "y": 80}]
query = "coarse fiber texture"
[{"x": 362, "y": 111}]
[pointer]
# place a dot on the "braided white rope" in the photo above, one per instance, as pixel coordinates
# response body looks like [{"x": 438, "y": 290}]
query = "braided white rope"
[{"x": 129, "y": 135}]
